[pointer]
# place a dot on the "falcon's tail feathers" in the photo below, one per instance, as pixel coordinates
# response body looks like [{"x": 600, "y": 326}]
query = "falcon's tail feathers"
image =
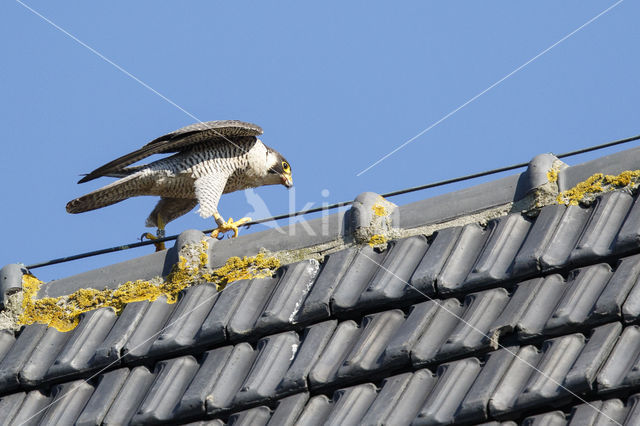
[{"x": 113, "y": 193}]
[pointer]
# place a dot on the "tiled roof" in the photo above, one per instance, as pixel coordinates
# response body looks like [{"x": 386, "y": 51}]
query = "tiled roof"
[{"x": 489, "y": 304}]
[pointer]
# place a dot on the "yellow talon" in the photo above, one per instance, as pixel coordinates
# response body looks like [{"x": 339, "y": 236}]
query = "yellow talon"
[
  {"x": 159, "y": 246},
  {"x": 227, "y": 226}
]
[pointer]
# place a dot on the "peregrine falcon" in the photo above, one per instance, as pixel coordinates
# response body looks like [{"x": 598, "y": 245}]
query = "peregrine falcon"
[{"x": 210, "y": 159}]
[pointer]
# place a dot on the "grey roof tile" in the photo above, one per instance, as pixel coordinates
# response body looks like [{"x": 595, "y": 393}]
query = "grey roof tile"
[
  {"x": 554, "y": 418},
  {"x": 559, "y": 355},
  {"x": 506, "y": 237},
  {"x": 631, "y": 305},
  {"x": 363, "y": 267},
  {"x": 400, "y": 398},
  {"x": 515, "y": 379},
  {"x": 342, "y": 341},
  {"x": 10, "y": 405},
  {"x": 107, "y": 388},
  {"x": 520, "y": 299},
  {"x": 472, "y": 331},
  {"x": 275, "y": 355},
  {"x": 317, "y": 305},
  {"x": 211, "y": 369},
  {"x": 443, "y": 322},
  {"x": 315, "y": 412},
  {"x": 242, "y": 323},
  {"x": 32, "y": 408},
  {"x": 426, "y": 274},
  {"x": 186, "y": 320},
  {"x": 583, "y": 288},
  {"x": 68, "y": 401},
  {"x": 258, "y": 416},
  {"x": 609, "y": 304},
  {"x": 633, "y": 406},
  {"x": 147, "y": 330},
  {"x": 391, "y": 391},
  {"x": 548, "y": 294},
  {"x": 598, "y": 413},
  {"x": 454, "y": 381},
  {"x": 621, "y": 368},
  {"x": 628, "y": 237},
  {"x": 77, "y": 354},
  {"x": 398, "y": 350},
  {"x": 129, "y": 397},
  {"x": 214, "y": 327},
  {"x": 497, "y": 423},
  {"x": 463, "y": 256},
  {"x": 390, "y": 283},
  {"x": 7, "y": 340},
  {"x": 314, "y": 341},
  {"x": 350, "y": 405},
  {"x": 366, "y": 354},
  {"x": 288, "y": 410},
  {"x": 171, "y": 380},
  {"x": 564, "y": 237},
  {"x": 288, "y": 296},
  {"x": 475, "y": 406},
  {"x": 110, "y": 350},
  {"x": 18, "y": 355},
  {"x": 603, "y": 225},
  {"x": 218, "y": 391},
  {"x": 541, "y": 234},
  {"x": 215, "y": 422},
  {"x": 43, "y": 355},
  {"x": 582, "y": 375}
]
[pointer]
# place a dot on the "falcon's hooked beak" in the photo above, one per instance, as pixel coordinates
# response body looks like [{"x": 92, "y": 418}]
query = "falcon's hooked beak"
[{"x": 287, "y": 180}]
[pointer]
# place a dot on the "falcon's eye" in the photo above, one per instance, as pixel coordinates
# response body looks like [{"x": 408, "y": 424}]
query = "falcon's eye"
[{"x": 286, "y": 167}]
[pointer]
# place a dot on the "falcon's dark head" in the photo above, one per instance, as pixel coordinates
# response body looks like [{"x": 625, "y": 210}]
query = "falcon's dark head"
[{"x": 279, "y": 169}]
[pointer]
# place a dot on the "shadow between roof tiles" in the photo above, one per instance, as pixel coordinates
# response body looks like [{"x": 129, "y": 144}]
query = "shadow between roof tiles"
[{"x": 303, "y": 332}]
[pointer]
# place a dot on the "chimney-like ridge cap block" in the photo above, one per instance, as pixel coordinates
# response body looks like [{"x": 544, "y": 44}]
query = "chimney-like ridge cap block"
[
  {"x": 10, "y": 281},
  {"x": 542, "y": 170},
  {"x": 371, "y": 219}
]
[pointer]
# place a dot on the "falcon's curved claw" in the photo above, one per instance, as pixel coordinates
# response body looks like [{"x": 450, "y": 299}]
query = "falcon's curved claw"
[
  {"x": 160, "y": 234},
  {"x": 227, "y": 226}
]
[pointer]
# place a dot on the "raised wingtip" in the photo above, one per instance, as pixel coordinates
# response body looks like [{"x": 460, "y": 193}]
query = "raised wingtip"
[{"x": 86, "y": 177}]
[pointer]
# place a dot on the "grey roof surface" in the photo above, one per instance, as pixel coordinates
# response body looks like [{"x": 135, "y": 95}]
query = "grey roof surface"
[{"x": 531, "y": 319}]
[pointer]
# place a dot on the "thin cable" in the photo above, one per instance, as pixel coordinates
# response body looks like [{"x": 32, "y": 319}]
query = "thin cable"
[{"x": 331, "y": 206}]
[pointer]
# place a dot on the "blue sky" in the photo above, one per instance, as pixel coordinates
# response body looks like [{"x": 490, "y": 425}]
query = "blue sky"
[{"x": 335, "y": 85}]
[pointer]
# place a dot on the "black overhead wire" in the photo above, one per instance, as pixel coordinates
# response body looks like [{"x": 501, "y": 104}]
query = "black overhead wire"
[{"x": 330, "y": 206}]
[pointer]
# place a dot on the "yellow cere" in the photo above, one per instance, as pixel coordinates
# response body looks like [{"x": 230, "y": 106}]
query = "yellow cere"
[
  {"x": 63, "y": 312},
  {"x": 379, "y": 210},
  {"x": 377, "y": 240},
  {"x": 598, "y": 183}
]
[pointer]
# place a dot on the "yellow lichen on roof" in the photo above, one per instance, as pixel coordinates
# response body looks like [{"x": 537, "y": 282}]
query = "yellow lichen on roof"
[
  {"x": 597, "y": 184},
  {"x": 63, "y": 312},
  {"x": 235, "y": 269},
  {"x": 552, "y": 175},
  {"x": 377, "y": 240},
  {"x": 379, "y": 210}
]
